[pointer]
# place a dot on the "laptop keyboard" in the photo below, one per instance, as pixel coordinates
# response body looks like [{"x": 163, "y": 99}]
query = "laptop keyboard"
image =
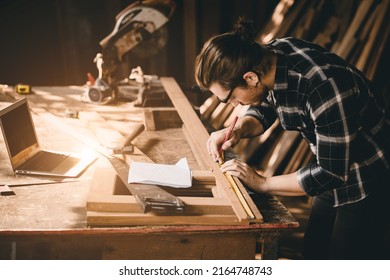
[{"x": 44, "y": 161}]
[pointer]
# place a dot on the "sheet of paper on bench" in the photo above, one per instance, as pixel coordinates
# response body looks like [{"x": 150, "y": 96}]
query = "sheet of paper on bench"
[{"x": 177, "y": 176}]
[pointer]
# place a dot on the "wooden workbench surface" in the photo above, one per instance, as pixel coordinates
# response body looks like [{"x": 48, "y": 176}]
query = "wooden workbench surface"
[{"x": 61, "y": 207}]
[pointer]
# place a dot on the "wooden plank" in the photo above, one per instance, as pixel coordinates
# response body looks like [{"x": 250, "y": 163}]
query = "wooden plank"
[
  {"x": 279, "y": 14},
  {"x": 161, "y": 117},
  {"x": 128, "y": 204},
  {"x": 374, "y": 61},
  {"x": 377, "y": 16},
  {"x": 297, "y": 158},
  {"x": 345, "y": 11},
  {"x": 285, "y": 144},
  {"x": 208, "y": 107},
  {"x": 219, "y": 122},
  {"x": 200, "y": 135},
  {"x": 235, "y": 182},
  {"x": 107, "y": 136},
  {"x": 294, "y": 14},
  {"x": 197, "y": 154},
  {"x": 247, "y": 147},
  {"x": 325, "y": 37},
  {"x": 349, "y": 40},
  {"x": 241, "y": 191},
  {"x": 239, "y": 110},
  {"x": 133, "y": 219}
]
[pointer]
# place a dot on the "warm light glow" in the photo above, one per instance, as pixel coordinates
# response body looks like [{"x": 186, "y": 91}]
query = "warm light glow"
[
  {"x": 205, "y": 105},
  {"x": 277, "y": 18}
]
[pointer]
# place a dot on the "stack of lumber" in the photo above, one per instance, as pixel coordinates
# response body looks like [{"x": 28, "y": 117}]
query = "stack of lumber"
[{"x": 356, "y": 30}]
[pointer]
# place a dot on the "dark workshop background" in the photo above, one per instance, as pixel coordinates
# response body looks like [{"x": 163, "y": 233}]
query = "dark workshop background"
[{"x": 54, "y": 42}]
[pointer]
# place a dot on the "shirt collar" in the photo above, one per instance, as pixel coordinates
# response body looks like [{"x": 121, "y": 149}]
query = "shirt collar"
[
  {"x": 281, "y": 77},
  {"x": 281, "y": 73}
]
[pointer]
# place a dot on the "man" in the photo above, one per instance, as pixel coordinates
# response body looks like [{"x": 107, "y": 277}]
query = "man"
[{"x": 336, "y": 109}]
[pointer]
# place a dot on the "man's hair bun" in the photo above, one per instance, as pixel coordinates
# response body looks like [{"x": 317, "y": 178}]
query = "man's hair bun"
[{"x": 244, "y": 28}]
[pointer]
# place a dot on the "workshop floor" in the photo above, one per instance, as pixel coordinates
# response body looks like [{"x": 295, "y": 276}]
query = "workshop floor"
[{"x": 290, "y": 242}]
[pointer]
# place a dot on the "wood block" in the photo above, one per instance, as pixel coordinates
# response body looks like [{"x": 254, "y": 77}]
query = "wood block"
[{"x": 161, "y": 117}]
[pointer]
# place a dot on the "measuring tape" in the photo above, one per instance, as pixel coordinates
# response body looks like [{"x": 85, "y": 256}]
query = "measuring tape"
[{"x": 23, "y": 89}]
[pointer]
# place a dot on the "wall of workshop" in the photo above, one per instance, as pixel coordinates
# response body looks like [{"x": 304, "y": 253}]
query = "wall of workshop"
[{"x": 54, "y": 42}]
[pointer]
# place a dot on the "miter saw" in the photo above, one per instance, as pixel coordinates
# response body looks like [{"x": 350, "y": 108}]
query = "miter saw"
[{"x": 140, "y": 28}]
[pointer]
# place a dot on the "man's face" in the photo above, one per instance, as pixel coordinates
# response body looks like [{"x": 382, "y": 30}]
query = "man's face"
[{"x": 250, "y": 95}]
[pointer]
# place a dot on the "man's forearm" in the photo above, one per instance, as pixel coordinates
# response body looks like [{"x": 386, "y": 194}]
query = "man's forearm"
[{"x": 284, "y": 185}]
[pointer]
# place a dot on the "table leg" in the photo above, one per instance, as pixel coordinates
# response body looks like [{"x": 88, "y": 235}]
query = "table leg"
[{"x": 269, "y": 249}]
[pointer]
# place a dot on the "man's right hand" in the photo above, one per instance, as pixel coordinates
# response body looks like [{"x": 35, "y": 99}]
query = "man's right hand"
[{"x": 216, "y": 140}]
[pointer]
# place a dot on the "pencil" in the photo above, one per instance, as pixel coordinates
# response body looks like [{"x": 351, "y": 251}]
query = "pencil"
[{"x": 228, "y": 136}]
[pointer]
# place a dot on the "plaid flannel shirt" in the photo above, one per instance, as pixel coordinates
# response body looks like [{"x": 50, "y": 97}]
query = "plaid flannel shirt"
[{"x": 337, "y": 111}]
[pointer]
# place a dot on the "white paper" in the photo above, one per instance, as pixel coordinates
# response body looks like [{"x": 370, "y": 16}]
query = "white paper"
[{"x": 177, "y": 176}]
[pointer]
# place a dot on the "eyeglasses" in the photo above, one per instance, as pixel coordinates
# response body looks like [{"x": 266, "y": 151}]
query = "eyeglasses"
[{"x": 226, "y": 99}]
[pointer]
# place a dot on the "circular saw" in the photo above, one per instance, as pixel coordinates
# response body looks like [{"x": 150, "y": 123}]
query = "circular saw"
[{"x": 140, "y": 28}]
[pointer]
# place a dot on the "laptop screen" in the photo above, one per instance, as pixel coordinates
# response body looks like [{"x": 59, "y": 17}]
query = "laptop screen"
[{"x": 18, "y": 129}]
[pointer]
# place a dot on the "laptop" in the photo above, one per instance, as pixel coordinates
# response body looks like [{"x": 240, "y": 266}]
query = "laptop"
[{"x": 24, "y": 151}]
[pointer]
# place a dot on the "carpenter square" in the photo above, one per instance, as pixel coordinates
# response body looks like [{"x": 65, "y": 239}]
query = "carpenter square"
[{"x": 150, "y": 197}]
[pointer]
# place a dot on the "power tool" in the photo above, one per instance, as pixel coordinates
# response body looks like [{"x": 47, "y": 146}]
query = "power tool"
[{"x": 140, "y": 28}]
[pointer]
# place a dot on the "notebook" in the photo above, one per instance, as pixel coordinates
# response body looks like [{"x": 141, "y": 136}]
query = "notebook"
[
  {"x": 176, "y": 176},
  {"x": 24, "y": 151}
]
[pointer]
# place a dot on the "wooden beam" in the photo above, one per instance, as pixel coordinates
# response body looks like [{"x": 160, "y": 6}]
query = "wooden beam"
[
  {"x": 200, "y": 136},
  {"x": 377, "y": 16},
  {"x": 194, "y": 148},
  {"x": 161, "y": 117},
  {"x": 349, "y": 40}
]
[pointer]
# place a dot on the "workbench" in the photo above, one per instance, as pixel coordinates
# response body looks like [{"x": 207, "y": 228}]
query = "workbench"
[{"x": 49, "y": 221}]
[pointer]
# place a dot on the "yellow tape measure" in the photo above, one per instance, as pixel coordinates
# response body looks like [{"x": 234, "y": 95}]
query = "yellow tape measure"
[
  {"x": 23, "y": 89},
  {"x": 240, "y": 196}
]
